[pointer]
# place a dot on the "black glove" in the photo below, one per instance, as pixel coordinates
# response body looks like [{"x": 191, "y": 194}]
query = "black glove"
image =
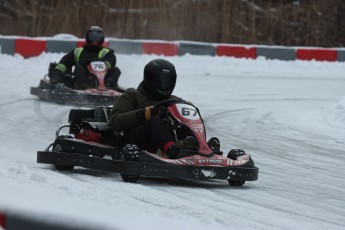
[
  {"x": 146, "y": 113},
  {"x": 55, "y": 77}
]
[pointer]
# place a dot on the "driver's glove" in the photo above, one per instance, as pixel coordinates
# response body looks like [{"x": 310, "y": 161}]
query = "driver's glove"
[
  {"x": 146, "y": 113},
  {"x": 55, "y": 77}
]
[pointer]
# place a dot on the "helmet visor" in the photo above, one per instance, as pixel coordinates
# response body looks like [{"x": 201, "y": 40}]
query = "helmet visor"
[
  {"x": 165, "y": 83},
  {"x": 95, "y": 36}
]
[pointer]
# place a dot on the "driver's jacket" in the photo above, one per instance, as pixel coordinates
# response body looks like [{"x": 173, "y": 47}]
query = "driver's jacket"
[
  {"x": 83, "y": 55},
  {"x": 123, "y": 116}
]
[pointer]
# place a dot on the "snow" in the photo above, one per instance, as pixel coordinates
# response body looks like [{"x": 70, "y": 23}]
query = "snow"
[
  {"x": 63, "y": 36},
  {"x": 289, "y": 115}
]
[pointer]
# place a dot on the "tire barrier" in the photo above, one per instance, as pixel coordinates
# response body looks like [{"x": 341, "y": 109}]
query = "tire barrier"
[
  {"x": 196, "y": 49},
  {"x": 317, "y": 54},
  {"x": 30, "y": 47},
  {"x": 236, "y": 51},
  {"x": 278, "y": 53}
]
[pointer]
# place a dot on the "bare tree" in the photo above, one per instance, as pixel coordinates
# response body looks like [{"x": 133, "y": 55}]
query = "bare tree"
[{"x": 272, "y": 22}]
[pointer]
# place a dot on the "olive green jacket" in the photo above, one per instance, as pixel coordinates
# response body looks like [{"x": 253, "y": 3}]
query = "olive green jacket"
[{"x": 123, "y": 115}]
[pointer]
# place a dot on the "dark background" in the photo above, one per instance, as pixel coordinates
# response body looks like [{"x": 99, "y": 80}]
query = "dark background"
[{"x": 267, "y": 22}]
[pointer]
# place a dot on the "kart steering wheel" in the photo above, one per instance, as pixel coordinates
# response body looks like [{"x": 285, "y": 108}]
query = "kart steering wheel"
[
  {"x": 163, "y": 105},
  {"x": 167, "y": 102}
]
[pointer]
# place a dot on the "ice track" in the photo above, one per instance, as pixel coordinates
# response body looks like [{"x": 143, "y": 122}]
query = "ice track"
[{"x": 278, "y": 111}]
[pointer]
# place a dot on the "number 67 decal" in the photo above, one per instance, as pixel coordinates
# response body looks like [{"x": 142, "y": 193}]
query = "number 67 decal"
[{"x": 189, "y": 111}]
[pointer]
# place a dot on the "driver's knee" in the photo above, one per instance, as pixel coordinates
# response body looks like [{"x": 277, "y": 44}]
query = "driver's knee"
[
  {"x": 82, "y": 78},
  {"x": 112, "y": 77}
]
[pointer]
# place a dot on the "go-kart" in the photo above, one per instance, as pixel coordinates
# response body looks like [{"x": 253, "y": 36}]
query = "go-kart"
[
  {"x": 97, "y": 93},
  {"x": 91, "y": 143}
]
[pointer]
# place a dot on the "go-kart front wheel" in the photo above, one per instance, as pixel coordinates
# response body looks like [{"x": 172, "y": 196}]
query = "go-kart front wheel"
[
  {"x": 236, "y": 183},
  {"x": 130, "y": 153},
  {"x": 58, "y": 148},
  {"x": 234, "y": 154}
]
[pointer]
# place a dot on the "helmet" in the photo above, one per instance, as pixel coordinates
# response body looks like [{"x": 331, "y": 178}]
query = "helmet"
[
  {"x": 94, "y": 36},
  {"x": 159, "y": 78}
]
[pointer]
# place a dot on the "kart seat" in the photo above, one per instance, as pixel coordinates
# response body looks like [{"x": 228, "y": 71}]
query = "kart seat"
[
  {"x": 98, "y": 114},
  {"x": 79, "y": 115}
]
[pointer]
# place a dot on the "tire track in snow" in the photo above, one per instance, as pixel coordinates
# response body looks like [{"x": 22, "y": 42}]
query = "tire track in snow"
[{"x": 288, "y": 157}]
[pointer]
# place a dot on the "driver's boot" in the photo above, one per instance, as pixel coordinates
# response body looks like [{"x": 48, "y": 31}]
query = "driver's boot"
[
  {"x": 173, "y": 151},
  {"x": 189, "y": 144}
]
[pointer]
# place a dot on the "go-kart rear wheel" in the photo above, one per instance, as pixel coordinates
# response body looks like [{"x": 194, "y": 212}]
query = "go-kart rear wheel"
[
  {"x": 130, "y": 153},
  {"x": 130, "y": 178},
  {"x": 58, "y": 148},
  {"x": 236, "y": 183}
]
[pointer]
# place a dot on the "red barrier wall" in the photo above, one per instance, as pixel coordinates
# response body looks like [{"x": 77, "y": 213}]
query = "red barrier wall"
[
  {"x": 80, "y": 43},
  {"x": 2, "y": 220},
  {"x": 29, "y": 47},
  {"x": 236, "y": 51},
  {"x": 166, "y": 49},
  {"x": 316, "y": 54}
]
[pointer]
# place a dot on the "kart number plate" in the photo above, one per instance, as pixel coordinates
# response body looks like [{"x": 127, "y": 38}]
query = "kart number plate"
[
  {"x": 98, "y": 66},
  {"x": 188, "y": 111}
]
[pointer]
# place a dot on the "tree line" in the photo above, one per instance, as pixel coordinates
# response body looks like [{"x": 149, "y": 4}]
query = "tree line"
[{"x": 266, "y": 22}]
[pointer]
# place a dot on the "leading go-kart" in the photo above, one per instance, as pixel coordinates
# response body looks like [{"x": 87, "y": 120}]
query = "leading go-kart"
[
  {"x": 97, "y": 93},
  {"x": 91, "y": 143}
]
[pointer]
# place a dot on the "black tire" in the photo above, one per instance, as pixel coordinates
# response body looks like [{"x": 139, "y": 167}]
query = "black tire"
[
  {"x": 235, "y": 153},
  {"x": 220, "y": 153},
  {"x": 130, "y": 153},
  {"x": 58, "y": 148},
  {"x": 237, "y": 183}
]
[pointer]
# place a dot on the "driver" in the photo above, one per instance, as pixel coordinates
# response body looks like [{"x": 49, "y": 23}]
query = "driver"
[
  {"x": 134, "y": 115},
  {"x": 81, "y": 57}
]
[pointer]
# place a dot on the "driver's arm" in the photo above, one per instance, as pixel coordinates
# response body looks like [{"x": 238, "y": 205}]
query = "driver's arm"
[
  {"x": 124, "y": 114},
  {"x": 110, "y": 59},
  {"x": 66, "y": 63}
]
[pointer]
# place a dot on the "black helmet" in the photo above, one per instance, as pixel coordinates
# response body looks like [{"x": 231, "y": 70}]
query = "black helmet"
[
  {"x": 94, "y": 36},
  {"x": 159, "y": 78}
]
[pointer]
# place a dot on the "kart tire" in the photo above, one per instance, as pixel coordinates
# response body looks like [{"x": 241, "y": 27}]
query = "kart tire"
[
  {"x": 58, "y": 148},
  {"x": 237, "y": 183},
  {"x": 130, "y": 153},
  {"x": 235, "y": 153}
]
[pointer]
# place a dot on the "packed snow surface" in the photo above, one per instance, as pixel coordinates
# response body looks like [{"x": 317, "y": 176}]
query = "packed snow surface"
[{"x": 289, "y": 115}]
